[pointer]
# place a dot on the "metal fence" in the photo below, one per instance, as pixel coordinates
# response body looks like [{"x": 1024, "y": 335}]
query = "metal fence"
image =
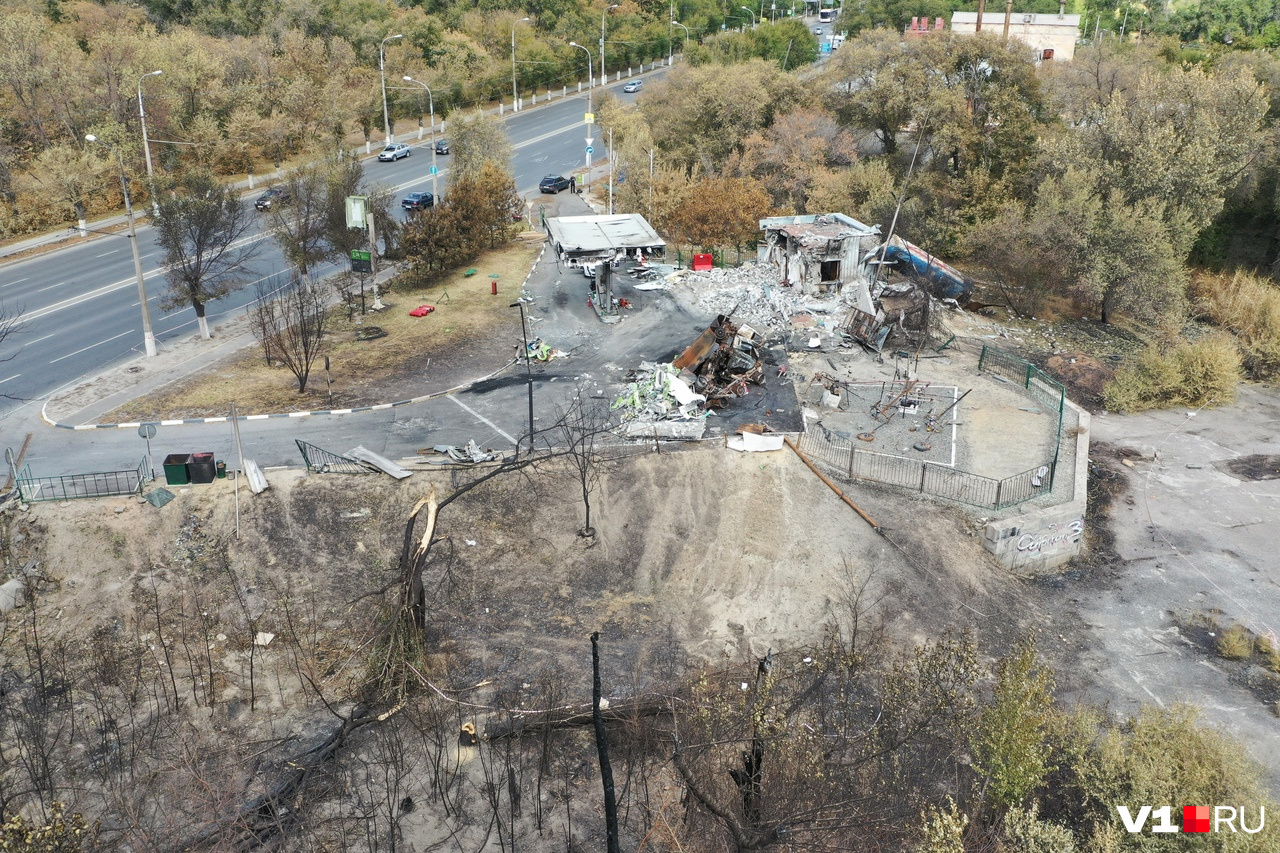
[
  {"x": 71, "y": 486},
  {"x": 1041, "y": 386},
  {"x": 930, "y": 478}
]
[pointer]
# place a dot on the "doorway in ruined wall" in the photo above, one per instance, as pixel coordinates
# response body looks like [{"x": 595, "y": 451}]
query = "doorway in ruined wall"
[{"x": 830, "y": 272}]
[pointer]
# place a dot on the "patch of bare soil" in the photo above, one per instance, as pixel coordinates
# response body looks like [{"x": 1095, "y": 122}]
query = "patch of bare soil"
[
  {"x": 1084, "y": 376},
  {"x": 219, "y": 641}
]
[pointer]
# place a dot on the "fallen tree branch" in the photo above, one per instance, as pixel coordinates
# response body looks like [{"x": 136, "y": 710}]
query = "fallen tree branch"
[{"x": 575, "y": 716}]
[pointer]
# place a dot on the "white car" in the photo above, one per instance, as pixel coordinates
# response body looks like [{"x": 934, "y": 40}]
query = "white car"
[{"x": 394, "y": 151}]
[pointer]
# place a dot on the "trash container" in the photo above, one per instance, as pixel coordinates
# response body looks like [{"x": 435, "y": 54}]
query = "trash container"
[
  {"x": 201, "y": 468},
  {"x": 222, "y": 470},
  {"x": 175, "y": 469}
]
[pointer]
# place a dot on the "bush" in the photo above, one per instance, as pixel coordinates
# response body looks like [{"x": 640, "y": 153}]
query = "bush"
[
  {"x": 1248, "y": 306},
  {"x": 1235, "y": 643},
  {"x": 1202, "y": 373}
]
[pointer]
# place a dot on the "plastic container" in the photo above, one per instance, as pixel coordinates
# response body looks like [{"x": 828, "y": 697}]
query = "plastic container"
[
  {"x": 201, "y": 468},
  {"x": 222, "y": 470},
  {"x": 175, "y": 469}
]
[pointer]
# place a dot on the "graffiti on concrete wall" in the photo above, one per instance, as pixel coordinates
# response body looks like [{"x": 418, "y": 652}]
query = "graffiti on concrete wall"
[{"x": 1054, "y": 538}]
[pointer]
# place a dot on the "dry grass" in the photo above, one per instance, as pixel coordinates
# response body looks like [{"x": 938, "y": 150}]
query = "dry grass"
[
  {"x": 1202, "y": 373},
  {"x": 1235, "y": 643},
  {"x": 1248, "y": 306},
  {"x": 362, "y": 371}
]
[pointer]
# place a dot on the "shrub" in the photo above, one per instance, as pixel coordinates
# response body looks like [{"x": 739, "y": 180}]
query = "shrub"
[
  {"x": 1247, "y": 306},
  {"x": 1188, "y": 374},
  {"x": 1235, "y": 643}
]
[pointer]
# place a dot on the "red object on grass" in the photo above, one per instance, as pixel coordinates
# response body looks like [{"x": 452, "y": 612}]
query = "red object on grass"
[{"x": 422, "y": 310}]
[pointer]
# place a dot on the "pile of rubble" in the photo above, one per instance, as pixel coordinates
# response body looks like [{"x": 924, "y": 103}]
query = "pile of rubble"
[
  {"x": 673, "y": 400},
  {"x": 753, "y": 293}
]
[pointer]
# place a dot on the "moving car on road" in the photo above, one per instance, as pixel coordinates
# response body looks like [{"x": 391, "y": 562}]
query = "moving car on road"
[
  {"x": 272, "y": 196},
  {"x": 554, "y": 183},
  {"x": 633, "y": 86},
  {"x": 418, "y": 201},
  {"x": 442, "y": 146},
  {"x": 393, "y": 151}
]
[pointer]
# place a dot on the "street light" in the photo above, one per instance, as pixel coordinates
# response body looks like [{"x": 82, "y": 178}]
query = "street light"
[
  {"x": 382, "y": 72},
  {"x": 435, "y": 193},
  {"x": 686, "y": 33},
  {"x": 590, "y": 83},
  {"x": 148, "y": 337},
  {"x": 146, "y": 146},
  {"x": 604, "y": 72},
  {"x": 751, "y": 13},
  {"x": 515, "y": 93},
  {"x": 528, "y": 371}
]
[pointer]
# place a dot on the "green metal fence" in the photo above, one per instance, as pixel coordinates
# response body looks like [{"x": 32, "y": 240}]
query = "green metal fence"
[
  {"x": 72, "y": 486},
  {"x": 1046, "y": 390}
]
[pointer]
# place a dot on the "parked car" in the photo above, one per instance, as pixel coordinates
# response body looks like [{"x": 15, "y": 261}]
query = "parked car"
[
  {"x": 633, "y": 86},
  {"x": 817, "y": 31},
  {"x": 394, "y": 151},
  {"x": 589, "y": 269},
  {"x": 442, "y": 146},
  {"x": 275, "y": 195},
  {"x": 554, "y": 183},
  {"x": 418, "y": 201}
]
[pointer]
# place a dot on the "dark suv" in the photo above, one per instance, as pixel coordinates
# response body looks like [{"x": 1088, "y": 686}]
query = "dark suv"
[
  {"x": 554, "y": 183},
  {"x": 272, "y": 196},
  {"x": 442, "y": 146},
  {"x": 418, "y": 201}
]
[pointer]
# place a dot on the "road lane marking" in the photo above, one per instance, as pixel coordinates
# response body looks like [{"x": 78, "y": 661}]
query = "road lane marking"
[
  {"x": 91, "y": 346},
  {"x": 14, "y": 376},
  {"x": 104, "y": 254},
  {"x": 51, "y": 287},
  {"x": 15, "y": 281},
  {"x": 485, "y": 420}
]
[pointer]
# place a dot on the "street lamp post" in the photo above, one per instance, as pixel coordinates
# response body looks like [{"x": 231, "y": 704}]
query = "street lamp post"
[
  {"x": 671, "y": 31},
  {"x": 435, "y": 194},
  {"x": 528, "y": 371},
  {"x": 515, "y": 93},
  {"x": 146, "y": 146},
  {"x": 590, "y": 82},
  {"x": 604, "y": 72},
  {"x": 148, "y": 336},
  {"x": 751, "y": 13},
  {"x": 382, "y": 72},
  {"x": 686, "y": 34}
]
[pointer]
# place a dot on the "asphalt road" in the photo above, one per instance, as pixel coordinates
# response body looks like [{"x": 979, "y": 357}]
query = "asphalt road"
[{"x": 80, "y": 305}]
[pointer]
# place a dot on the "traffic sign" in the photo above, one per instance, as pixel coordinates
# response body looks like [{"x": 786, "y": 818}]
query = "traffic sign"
[
  {"x": 434, "y": 170},
  {"x": 589, "y": 118},
  {"x": 590, "y": 149},
  {"x": 361, "y": 261}
]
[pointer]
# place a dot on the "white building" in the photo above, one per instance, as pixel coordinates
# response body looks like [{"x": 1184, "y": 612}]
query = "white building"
[{"x": 1052, "y": 37}]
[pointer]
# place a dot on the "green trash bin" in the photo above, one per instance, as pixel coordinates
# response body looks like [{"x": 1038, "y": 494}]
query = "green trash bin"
[{"x": 175, "y": 469}]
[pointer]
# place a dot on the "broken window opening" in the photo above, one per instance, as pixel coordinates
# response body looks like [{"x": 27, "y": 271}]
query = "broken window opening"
[{"x": 830, "y": 271}]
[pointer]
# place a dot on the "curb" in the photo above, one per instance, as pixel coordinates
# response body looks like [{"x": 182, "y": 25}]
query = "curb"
[{"x": 225, "y": 418}]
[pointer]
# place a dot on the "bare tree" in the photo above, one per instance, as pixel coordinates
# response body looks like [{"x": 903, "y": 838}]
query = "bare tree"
[
  {"x": 291, "y": 324},
  {"x": 301, "y": 226},
  {"x": 202, "y": 230},
  {"x": 579, "y": 430}
]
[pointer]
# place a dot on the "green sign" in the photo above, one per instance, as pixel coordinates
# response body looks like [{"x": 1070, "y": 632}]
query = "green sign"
[{"x": 361, "y": 261}]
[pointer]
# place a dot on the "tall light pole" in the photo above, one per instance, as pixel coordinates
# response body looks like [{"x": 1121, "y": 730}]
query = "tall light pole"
[
  {"x": 686, "y": 34},
  {"x": 751, "y": 13},
  {"x": 382, "y": 72},
  {"x": 148, "y": 336},
  {"x": 435, "y": 193},
  {"x": 146, "y": 146},
  {"x": 590, "y": 82},
  {"x": 604, "y": 72},
  {"x": 671, "y": 31},
  {"x": 528, "y": 371},
  {"x": 515, "y": 93}
]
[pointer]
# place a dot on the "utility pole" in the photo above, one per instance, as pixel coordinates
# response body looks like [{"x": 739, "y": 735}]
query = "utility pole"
[{"x": 604, "y": 71}]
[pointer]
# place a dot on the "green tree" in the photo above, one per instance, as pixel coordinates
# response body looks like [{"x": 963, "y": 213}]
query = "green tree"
[
  {"x": 478, "y": 139},
  {"x": 202, "y": 230},
  {"x": 1009, "y": 747}
]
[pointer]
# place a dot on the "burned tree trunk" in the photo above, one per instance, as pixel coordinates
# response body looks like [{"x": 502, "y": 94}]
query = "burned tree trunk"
[{"x": 602, "y": 747}]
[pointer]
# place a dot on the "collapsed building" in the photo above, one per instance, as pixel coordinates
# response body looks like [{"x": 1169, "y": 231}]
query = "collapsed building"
[{"x": 836, "y": 255}]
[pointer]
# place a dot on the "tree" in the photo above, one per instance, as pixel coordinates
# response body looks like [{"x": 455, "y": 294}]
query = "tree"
[
  {"x": 290, "y": 322},
  {"x": 721, "y": 212},
  {"x": 788, "y": 155},
  {"x": 579, "y": 429},
  {"x": 1009, "y": 746},
  {"x": 486, "y": 201},
  {"x": 300, "y": 227},
  {"x": 478, "y": 139},
  {"x": 879, "y": 84},
  {"x": 202, "y": 230},
  {"x": 1133, "y": 264}
]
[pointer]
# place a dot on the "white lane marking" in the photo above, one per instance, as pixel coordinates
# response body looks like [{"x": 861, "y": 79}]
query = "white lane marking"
[
  {"x": 484, "y": 420},
  {"x": 15, "y": 281},
  {"x": 14, "y": 376},
  {"x": 91, "y": 346},
  {"x": 51, "y": 287},
  {"x": 45, "y": 338},
  {"x": 104, "y": 254}
]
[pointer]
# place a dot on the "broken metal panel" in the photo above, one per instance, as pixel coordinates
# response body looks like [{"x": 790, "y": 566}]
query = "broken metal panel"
[
  {"x": 382, "y": 463},
  {"x": 321, "y": 461}
]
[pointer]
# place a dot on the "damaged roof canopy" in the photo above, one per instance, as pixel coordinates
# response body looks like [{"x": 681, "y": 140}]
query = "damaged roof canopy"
[{"x": 571, "y": 235}]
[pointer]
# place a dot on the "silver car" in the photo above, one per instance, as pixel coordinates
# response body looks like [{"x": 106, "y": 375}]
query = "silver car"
[{"x": 393, "y": 151}]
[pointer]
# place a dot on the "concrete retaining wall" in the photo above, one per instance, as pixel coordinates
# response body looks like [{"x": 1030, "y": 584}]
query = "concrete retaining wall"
[{"x": 1038, "y": 539}]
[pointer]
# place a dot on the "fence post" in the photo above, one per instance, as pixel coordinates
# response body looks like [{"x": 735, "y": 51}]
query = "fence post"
[
  {"x": 982, "y": 357},
  {"x": 924, "y": 468},
  {"x": 852, "y": 451},
  {"x": 1026, "y": 380},
  {"x": 999, "y": 486}
]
